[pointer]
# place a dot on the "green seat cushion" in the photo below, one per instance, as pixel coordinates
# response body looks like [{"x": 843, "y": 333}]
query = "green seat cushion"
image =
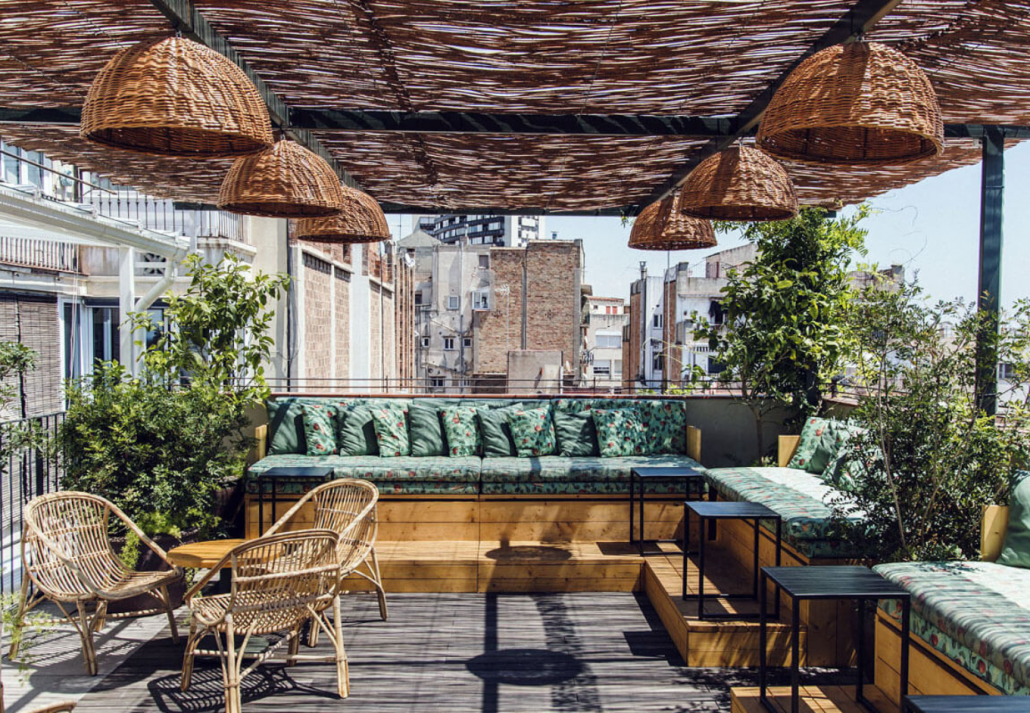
[
  {"x": 319, "y": 429},
  {"x": 462, "y": 431},
  {"x": 975, "y": 613},
  {"x": 357, "y": 434},
  {"x": 1016, "y": 549},
  {"x": 401, "y": 475},
  {"x": 620, "y": 432},
  {"x": 576, "y": 433},
  {"x": 532, "y": 431},
  {"x": 558, "y": 475},
  {"x": 390, "y": 420}
]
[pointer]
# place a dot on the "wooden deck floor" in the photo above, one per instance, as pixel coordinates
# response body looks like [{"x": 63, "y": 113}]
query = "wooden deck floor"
[{"x": 456, "y": 652}]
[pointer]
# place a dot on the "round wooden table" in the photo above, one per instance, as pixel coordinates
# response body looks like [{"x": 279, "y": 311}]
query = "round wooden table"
[{"x": 205, "y": 555}]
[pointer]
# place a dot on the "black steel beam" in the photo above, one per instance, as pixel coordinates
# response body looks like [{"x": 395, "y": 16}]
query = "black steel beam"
[
  {"x": 992, "y": 190},
  {"x": 394, "y": 208},
  {"x": 431, "y": 122},
  {"x": 185, "y": 18},
  {"x": 862, "y": 16}
]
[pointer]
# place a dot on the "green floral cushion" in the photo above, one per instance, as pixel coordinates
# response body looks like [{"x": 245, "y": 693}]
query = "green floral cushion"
[
  {"x": 285, "y": 427},
  {"x": 319, "y": 429},
  {"x": 425, "y": 432},
  {"x": 391, "y": 426},
  {"x": 666, "y": 423},
  {"x": 576, "y": 433},
  {"x": 357, "y": 434},
  {"x": 495, "y": 431},
  {"x": 1016, "y": 549},
  {"x": 532, "y": 432},
  {"x": 620, "y": 432},
  {"x": 462, "y": 431},
  {"x": 811, "y": 436}
]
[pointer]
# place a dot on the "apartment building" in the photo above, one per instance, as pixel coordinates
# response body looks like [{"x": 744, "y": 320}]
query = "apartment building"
[
  {"x": 603, "y": 321},
  {"x": 512, "y": 231}
]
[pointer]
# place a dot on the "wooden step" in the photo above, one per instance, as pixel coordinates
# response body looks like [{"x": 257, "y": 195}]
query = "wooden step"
[{"x": 812, "y": 699}]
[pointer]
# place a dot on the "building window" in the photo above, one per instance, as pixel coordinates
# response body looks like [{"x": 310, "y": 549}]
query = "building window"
[
  {"x": 484, "y": 262},
  {"x": 466, "y": 342},
  {"x": 481, "y": 300},
  {"x": 608, "y": 340},
  {"x": 656, "y": 321},
  {"x": 418, "y": 297},
  {"x": 602, "y": 368},
  {"x": 436, "y": 383},
  {"x": 453, "y": 302},
  {"x": 617, "y": 370},
  {"x": 425, "y": 342},
  {"x": 448, "y": 344},
  {"x": 658, "y": 363}
]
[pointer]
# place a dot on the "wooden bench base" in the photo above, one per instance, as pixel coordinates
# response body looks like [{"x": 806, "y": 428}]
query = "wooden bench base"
[{"x": 824, "y": 699}]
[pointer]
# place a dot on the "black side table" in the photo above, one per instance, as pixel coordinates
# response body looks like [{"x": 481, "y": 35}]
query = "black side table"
[
  {"x": 723, "y": 510},
  {"x": 830, "y": 582},
  {"x": 638, "y": 476},
  {"x": 965, "y": 704},
  {"x": 305, "y": 473}
]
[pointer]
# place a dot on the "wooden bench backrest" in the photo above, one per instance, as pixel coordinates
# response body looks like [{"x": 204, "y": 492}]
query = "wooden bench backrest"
[
  {"x": 992, "y": 532},
  {"x": 787, "y": 446}
]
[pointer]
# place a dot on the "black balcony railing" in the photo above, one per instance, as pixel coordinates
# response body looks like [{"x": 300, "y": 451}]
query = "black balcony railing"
[
  {"x": 162, "y": 215},
  {"x": 26, "y": 473}
]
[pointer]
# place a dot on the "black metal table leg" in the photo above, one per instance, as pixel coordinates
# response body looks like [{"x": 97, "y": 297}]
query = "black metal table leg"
[
  {"x": 762, "y": 641},
  {"x": 632, "y": 502},
  {"x": 686, "y": 546},
  {"x": 906, "y": 611},
  {"x": 701, "y": 574},
  {"x": 795, "y": 654},
  {"x": 860, "y": 651},
  {"x": 779, "y": 549},
  {"x": 261, "y": 505},
  {"x": 640, "y": 504},
  {"x": 754, "y": 564}
]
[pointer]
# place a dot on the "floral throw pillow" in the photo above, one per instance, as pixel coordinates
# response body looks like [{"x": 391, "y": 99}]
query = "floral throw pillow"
[
  {"x": 391, "y": 425},
  {"x": 320, "y": 429},
  {"x": 620, "y": 432},
  {"x": 811, "y": 434},
  {"x": 532, "y": 431},
  {"x": 666, "y": 424},
  {"x": 462, "y": 431}
]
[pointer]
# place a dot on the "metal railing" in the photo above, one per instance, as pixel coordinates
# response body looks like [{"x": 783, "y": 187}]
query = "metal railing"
[
  {"x": 26, "y": 473},
  {"x": 39, "y": 254},
  {"x": 162, "y": 215}
]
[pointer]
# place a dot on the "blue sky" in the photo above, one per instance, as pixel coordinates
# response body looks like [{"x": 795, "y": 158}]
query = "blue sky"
[{"x": 932, "y": 228}]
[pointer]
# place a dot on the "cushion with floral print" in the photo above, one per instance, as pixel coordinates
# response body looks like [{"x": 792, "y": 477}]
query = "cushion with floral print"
[
  {"x": 462, "y": 431},
  {"x": 811, "y": 435},
  {"x": 666, "y": 423},
  {"x": 391, "y": 425},
  {"x": 320, "y": 429},
  {"x": 620, "y": 432},
  {"x": 533, "y": 431}
]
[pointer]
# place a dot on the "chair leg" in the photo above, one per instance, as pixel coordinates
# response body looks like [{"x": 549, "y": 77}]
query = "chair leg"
[
  {"x": 167, "y": 598},
  {"x": 377, "y": 579},
  {"x": 89, "y": 653},
  {"x": 294, "y": 647},
  {"x": 342, "y": 668},
  {"x": 312, "y": 634},
  {"x": 231, "y": 670},
  {"x": 100, "y": 616},
  {"x": 189, "y": 655},
  {"x": 19, "y": 619}
]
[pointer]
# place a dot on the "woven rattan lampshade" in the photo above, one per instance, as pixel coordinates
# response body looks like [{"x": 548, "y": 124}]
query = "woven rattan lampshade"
[
  {"x": 174, "y": 97},
  {"x": 285, "y": 181},
  {"x": 661, "y": 226},
  {"x": 739, "y": 183},
  {"x": 360, "y": 221},
  {"x": 859, "y": 103}
]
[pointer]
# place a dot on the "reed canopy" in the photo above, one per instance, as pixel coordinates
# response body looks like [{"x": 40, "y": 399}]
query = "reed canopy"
[
  {"x": 175, "y": 97},
  {"x": 854, "y": 104}
]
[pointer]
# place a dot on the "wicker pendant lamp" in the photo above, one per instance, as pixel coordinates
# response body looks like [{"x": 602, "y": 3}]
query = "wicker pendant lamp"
[
  {"x": 661, "y": 226},
  {"x": 360, "y": 221},
  {"x": 858, "y": 103},
  {"x": 285, "y": 181},
  {"x": 174, "y": 97},
  {"x": 739, "y": 183}
]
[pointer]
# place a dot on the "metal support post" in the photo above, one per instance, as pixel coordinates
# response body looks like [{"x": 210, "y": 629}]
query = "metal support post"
[{"x": 992, "y": 189}]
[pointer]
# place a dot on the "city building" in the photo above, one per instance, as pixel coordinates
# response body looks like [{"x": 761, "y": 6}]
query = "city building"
[
  {"x": 512, "y": 231},
  {"x": 476, "y": 304},
  {"x": 603, "y": 320},
  {"x": 78, "y": 253}
]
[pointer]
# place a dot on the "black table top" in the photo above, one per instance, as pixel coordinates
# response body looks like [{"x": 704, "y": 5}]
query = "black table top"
[
  {"x": 668, "y": 471},
  {"x": 297, "y": 471},
  {"x": 834, "y": 582},
  {"x": 969, "y": 704},
  {"x": 728, "y": 510}
]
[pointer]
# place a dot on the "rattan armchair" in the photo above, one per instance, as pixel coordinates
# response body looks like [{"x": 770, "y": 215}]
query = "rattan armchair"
[
  {"x": 278, "y": 583},
  {"x": 347, "y": 507},
  {"x": 67, "y": 555}
]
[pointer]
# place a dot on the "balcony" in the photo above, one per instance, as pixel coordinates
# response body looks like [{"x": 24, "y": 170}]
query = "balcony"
[{"x": 41, "y": 255}]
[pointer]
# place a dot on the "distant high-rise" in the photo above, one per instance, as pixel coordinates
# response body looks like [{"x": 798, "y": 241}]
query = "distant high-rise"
[{"x": 506, "y": 231}]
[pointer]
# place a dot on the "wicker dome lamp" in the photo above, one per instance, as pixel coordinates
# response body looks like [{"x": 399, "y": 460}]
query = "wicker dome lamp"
[
  {"x": 175, "y": 97},
  {"x": 858, "y": 103},
  {"x": 360, "y": 221},
  {"x": 661, "y": 226},
  {"x": 285, "y": 181},
  {"x": 739, "y": 183}
]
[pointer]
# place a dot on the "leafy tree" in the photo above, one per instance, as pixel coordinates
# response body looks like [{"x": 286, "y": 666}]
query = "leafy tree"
[
  {"x": 931, "y": 458},
  {"x": 786, "y": 331},
  {"x": 163, "y": 445},
  {"x": 16, "y": 360}
]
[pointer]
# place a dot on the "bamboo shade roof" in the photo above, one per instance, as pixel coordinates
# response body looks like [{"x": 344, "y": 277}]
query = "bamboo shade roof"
[{"x": 547, "y": 56}]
